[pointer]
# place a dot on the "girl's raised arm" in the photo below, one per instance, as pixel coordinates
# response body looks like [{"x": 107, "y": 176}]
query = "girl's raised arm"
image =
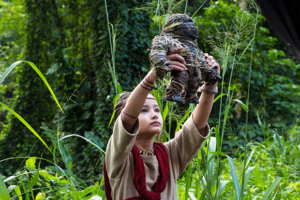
[{"x": 203, "y": 109}]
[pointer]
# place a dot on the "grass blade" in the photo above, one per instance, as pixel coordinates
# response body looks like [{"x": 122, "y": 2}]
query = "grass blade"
[
  {"x": 186, "y": 115},
  {"x": 119, "y": 87},
  {"x": 4, "y": 195},
  {"x": 75, "y": 135},
  {"x": 87, "y": 191},
  {"x": 192, "y": 196},
  {"x": 247, "y": 175},
  {"x": 34, "y": 67},
  {"x": 115, "y": 103},
  {"x": 8, "y": 70},
  {"x": 218, "y": 97},
  {"x": 24, "y": 189},
  {"x": 211, "y": 163},
  {"x": 234, "y": 178},
  {"x": 26, "y": 124},
  {"x": 166, "y": 111},
  {"x": 188, "y": 179},
  {"x": 17, "y": 190},
  {"x": 249, "y": 158},
  {"x": 244, "y": 106},
  {"x": 272, "y": 187},
  {"x": 199, "y": 8},
  {"x": 221, "y": 188},
  {"x": 35, "y": 179}
]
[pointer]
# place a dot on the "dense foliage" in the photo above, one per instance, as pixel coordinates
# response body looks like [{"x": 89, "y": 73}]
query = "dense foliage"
[{"x": 90, "y": 51}]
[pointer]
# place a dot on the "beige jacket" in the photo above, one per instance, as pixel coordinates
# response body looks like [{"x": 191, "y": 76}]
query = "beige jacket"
[{"x": 119, "y": 160}]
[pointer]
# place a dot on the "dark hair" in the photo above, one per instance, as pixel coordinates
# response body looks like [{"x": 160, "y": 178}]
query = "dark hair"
[{"x": 121, "y": 102}]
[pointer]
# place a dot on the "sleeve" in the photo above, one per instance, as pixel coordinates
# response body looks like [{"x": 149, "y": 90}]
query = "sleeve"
[
  {"x": 185, "y": 145},
  {"x": 118, "y": 148}
]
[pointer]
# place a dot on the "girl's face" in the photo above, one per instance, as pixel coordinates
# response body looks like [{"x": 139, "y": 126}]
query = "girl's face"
[{"x": 150, "y": 119}]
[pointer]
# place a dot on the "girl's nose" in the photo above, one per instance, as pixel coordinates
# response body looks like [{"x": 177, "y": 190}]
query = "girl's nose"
[{"x": 154, "y": 115}]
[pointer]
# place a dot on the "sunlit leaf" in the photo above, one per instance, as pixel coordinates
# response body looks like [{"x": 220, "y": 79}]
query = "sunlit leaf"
[
  {"x": 3, "y": 191},
  {"x": 219, "y": 96},
  {"x": 75, "y": 135},
  {"x": 245, "y": 107},
  {"x": 234, "y": 178},
  {"x": 30, "y": 163},
  {"x": 271, "y": 188},
  {"x": 12, "y": 66}
]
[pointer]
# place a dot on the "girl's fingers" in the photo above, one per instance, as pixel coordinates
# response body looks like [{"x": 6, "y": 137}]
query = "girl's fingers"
[
  {"x": 211, "y": 61},
  {"x": 175, "y": 51},
  {"x": 176, "y": 57},
  {"x": 176, "y": 68},
  {"x": 178, "y": 64},
  {"x": 209, "y": 58}
]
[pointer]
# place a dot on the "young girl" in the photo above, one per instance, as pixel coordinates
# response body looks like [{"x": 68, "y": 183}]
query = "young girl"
[{"x": 137, "y": 168}]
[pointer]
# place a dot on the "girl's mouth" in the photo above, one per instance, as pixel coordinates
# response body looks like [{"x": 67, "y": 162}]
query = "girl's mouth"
[{"x": 155, "y": 123}]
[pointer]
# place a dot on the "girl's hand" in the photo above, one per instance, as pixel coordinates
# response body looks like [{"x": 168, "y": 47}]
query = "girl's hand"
[
  {"x": 176, "y": 60},
  {"x": 211, "y": 61}
]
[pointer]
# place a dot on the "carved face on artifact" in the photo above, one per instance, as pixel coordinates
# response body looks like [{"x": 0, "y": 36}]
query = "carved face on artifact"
[{"x": 180, "y": 25}]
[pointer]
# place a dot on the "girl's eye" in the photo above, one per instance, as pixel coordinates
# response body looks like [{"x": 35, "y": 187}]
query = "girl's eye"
[
  {"x": 157, "y": 110},
  {"x": 144, "y": 110}
]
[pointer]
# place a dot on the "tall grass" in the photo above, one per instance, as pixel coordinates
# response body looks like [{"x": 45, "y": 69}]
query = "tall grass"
[
  {"x": 247, "y": 102},
  {"x": 69, "y": 183}
]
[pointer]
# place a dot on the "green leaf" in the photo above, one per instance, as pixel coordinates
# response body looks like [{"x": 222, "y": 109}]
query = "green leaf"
[
  {"x": 211, "y": 164},
  {"x": 219, "y": 96},
  {"x": 17, "y": 190},
  {"x": 248, "y": 174},
  {"x": 24, "y": 189},
  {"x": 90, "y": 135},
  {"x": 186, "y": 115},
  {"x": 245, "y": 107},
  {"x": 261, "y": 125},
  {"x": 8, "y": 70},
  {"x": 116, "y": 99},
  {"x": 4, "y": 195},
  {"x": 188, "y": 179},
  {"x": 198, "y": 9},
  {"x": 30, "y": 163},
  {"x": 26, "y": 124},
  {"x": 119, "y": 88},
  {"x": 234, "y": 178},
  {"x": 221, "y": 188},
  {"x": 272, "y": 187},
  {"x": 75, "y": 135},
  {"x": 157, "y": 98},
  {"x": 39, "y": 196},
  {"x": 166, "y": 111},
  {"x": 35, "y": 179},
  {"x": 115, "y": 103},
  {"x": 87, "y": 191},
  {"x": 12, "y": 66},
  {"x": 249, "y": 158}
]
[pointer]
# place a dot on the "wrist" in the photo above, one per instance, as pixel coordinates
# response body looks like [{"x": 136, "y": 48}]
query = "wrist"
[
  {"x": 149, "y": 80},
  {"x": 209, "y": 89},
  {"x": 151, "y": 76},
  {"x": 207, "y": 86}
]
